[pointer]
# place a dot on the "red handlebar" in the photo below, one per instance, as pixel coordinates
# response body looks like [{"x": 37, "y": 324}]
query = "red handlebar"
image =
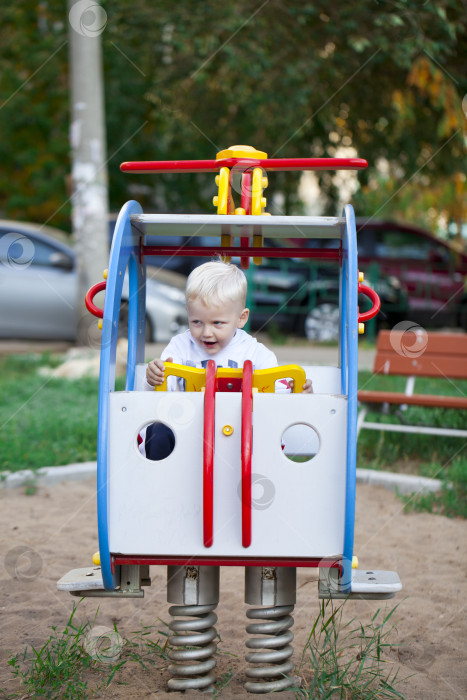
[
  {"x": 88, "y": 299},
  {"x": 371, "y": 294},
  {"x": 247, "y": 435},
  {"x": 208, "y": 454}
]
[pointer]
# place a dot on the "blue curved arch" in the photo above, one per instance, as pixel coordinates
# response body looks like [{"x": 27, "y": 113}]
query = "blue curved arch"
[
  {"x": 124, "y": 253},
  {"x": 350, "y": 375}
]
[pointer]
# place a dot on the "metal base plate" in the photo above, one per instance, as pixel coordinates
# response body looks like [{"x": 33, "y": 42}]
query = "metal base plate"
[
  {"x": 87, "y": 579},
  {"x": 88, "y": 583},
  {"x": 366, "y": 584}
]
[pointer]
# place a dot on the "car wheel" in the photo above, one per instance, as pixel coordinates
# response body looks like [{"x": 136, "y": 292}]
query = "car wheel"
[
  {"x": 123, "y": 324},
  {"x": 322, "y": 323}
]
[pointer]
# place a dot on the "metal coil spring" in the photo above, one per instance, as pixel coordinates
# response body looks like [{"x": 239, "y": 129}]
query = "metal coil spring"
[
  {"x": 193, "y": 665},
  {"x": 275, "y": 621}
]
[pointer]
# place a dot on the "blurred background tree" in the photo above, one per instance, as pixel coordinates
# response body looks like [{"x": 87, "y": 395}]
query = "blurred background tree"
[{"x": 384, "y": 80}]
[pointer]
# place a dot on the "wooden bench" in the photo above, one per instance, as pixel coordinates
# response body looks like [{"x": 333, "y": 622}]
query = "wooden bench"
[{"x": 416, "y": 354}]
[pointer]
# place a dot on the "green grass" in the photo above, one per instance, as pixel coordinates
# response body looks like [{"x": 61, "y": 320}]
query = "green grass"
[
  {"x": 83, "y": 660},
  {"x": 275, "y": 334},
  {"x": 44, "y": 421},
  {"x": 451, "y": 500},
  {"x": 377, "y": 448},
  {"x": 222, "y": 683},
  {"x": 348, "y": 660},
  {"x": 341, "y": 659},
  {"x": 438, "y": 457}
]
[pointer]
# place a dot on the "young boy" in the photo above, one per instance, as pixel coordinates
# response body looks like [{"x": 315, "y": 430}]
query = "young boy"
[{"x": 215, "y": 301}]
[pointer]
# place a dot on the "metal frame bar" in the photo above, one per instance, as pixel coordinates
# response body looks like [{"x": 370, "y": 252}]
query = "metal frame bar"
[
  {"x": 247, "y": 251},
  {"x": 417, "y": 429},
  {"x": 124, "y": 252}
]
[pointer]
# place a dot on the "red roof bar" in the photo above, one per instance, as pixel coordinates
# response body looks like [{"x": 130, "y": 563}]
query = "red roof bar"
[
  {"x": 269, "y": 164},
  {"x": 200, "y": 251}
]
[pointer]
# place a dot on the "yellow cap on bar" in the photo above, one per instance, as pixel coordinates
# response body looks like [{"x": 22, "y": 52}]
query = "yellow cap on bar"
[{"x": 241, "y": 152}]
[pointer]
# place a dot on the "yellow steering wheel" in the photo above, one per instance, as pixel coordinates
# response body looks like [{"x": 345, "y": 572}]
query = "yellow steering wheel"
[{"x": 263, "y": 379}]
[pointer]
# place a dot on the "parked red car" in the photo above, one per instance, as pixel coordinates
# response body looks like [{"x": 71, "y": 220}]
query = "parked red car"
[{"x": 432, "y": 273}]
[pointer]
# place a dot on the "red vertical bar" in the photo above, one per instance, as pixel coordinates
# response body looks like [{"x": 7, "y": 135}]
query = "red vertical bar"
[
  {"x": 246, "y": 205},
  {"x": 208, "y": 454},
  {"x": 247, "y": 437}
]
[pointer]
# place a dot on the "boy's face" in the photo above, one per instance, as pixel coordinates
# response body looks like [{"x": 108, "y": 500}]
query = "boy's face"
[{"x": 213, "y": 327}]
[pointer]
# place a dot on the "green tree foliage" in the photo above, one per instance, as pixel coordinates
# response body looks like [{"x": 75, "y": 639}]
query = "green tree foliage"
[
  {"x": 434, "y": 192},
  {"x": 184, "y": 80},
  {"x": 33, "y": 112}
]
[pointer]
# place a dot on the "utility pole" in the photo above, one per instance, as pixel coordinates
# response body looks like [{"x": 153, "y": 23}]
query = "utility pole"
[{"x": 87, "y": 20}]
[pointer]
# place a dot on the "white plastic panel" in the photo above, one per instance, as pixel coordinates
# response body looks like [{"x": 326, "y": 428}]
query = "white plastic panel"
[
  {"x": 305, "y": 516},
  {"x": 300, "y": 440},
  {"x": 140, "y": 374},
  {"x": 156, "y": 507},
  {"x": 326, "y": 380},
  {"x": 193, "y": 225}
]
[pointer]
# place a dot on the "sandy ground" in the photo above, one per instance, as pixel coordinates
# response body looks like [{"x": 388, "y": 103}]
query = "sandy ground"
[{"x": 57, "y": 525}]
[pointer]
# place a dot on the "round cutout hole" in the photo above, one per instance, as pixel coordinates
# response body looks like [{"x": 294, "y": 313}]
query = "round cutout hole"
[
  {"x": 300, "y": 442},
  {"x": 158, "y": 439}
]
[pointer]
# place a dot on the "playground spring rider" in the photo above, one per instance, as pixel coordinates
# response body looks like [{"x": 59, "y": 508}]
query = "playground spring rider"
[{"x": 193, "y": 511}]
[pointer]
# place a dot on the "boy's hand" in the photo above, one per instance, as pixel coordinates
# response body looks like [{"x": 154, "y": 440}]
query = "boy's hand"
[
  {"x": 307, "y": 387},
  {"x": 155, "y": 371}
]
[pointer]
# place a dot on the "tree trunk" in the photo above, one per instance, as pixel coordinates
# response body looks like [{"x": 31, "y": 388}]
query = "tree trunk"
[{"x": 88, "y": 145}]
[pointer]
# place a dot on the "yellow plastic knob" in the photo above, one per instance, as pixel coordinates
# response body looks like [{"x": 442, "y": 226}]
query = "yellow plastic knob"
[
  {"x": 96, "y": 558},
  {"x": 217, "y": 180},
  {"x": 354, "y": 562},
  {"x": 264, "y": 182},
  {"x": 105, "y": 273},
  {"x": 361, "y": 328},
  {"x": 215, "y": 200},
  {"x": 241, "y": 152},
  {"x": 263, "y": 201},
  {"x": 360, "y": 276},
  {"x": 240, "y": 210},
  {"x": 227, "y": 430},
  {"x": 99, "y": 324}
]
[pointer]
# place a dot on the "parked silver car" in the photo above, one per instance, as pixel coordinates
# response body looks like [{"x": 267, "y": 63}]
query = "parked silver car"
[{"x": 38, "y": 289}]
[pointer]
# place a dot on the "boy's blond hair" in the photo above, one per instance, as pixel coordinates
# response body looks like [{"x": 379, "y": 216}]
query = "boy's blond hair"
[{"x": 217, "y": 283}]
